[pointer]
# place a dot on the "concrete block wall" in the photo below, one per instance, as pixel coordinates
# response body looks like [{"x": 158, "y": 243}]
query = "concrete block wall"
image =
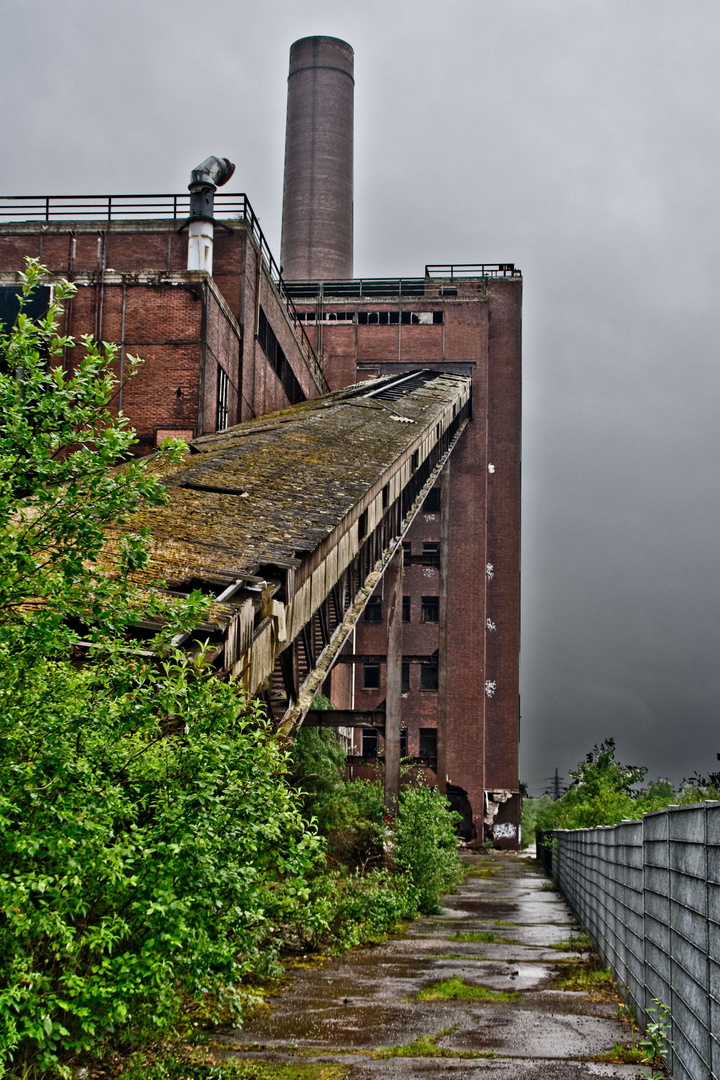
[{"x": 648, "y": 893}]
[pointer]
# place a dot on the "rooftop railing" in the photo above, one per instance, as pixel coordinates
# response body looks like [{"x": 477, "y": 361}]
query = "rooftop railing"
[
  {"x": 228, "y": 206},
  {"x": 466, "y": 270}
]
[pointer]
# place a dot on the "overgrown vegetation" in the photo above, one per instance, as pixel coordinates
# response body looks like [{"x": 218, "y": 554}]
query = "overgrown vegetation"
[
  {"x": 155, "y": 863},
  {"x": 604, "y": 792},
  {"x": 456, "y": 987}
]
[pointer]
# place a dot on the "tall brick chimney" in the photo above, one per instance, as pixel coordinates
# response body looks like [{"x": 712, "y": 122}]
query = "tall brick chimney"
[{"x": 317, "y": 226}]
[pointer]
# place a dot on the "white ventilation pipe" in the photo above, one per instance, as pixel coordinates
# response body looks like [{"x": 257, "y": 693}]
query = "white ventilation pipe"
[{"x": 211, "y": 174}]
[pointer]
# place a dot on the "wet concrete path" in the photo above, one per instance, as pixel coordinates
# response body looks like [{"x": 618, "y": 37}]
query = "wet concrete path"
[{"x": 500, "y": 932}]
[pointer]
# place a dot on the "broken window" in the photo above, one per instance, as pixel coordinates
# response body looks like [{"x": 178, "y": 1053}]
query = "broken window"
[
  {"x": 428, "y": 677},
  {"x": 386, "y": 496},
  {"x": 431, "y": 547},
  {"x": 221, "y": 410},
  {"x": 407, "y": 547},
  {"x": 369, "y": 743},
  {"x": 428, "y": 746},
  {"x": 406, "y": 609},
  {"x": 415, "y": 461},
  {"x": 403, "y": 743},
  {"x": 373, "y": 610},
  {"x": 371, "y": 676},
  {"x": 405, "y": 678},
  {"x": 430, "y": 610},
  {"x": 432, "y": 501}
]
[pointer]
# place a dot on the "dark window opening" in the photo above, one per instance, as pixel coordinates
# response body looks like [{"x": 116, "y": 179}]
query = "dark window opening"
[
  {"x": 371, "y": 677},
  {"x": 428, "y": 677},
  {"x": 369, "y": 743},
  {"x": 403, "y": 743},
  {"x": 428, "y": 746},
  {"x": 430, "y": 610},
  {"x": 431, "y": 547},
  {"x": 415, "y": 461},
  {"x": 35, "y": 307},
  {"x": 406, "y": 609},
  {"x": 439, "y": 316},
  {"x": 274, "y": 352},
  {"x": 405, "y": 678},
  {"x": 362, "y": 525},
  {"x": 386, "y": 497},
  {"x": 407, "y": 547},
  {"x": 221, "y": 411},
  {"x": 373, "y": 610},
  {"x": 432, "y": 501}
]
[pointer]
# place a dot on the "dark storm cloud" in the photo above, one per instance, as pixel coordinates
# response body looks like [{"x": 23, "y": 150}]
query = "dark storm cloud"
[{"x": 578, "y": 139}]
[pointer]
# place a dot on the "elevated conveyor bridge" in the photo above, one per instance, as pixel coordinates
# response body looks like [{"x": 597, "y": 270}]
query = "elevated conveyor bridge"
[{"x": 290, "y": 521}]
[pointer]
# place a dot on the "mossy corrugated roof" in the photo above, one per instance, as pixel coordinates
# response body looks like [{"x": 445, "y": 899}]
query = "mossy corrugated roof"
[{"x": 268, "y": 490}]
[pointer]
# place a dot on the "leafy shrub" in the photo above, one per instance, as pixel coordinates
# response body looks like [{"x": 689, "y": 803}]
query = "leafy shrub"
[
  {"x": 425, "y": 845},
  {"x": 142, "y": 858},
  {"x": 605, "y": 792},
  {"x": 349, "y": 815}
]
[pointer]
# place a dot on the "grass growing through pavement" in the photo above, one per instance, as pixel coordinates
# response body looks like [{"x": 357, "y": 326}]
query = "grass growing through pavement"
[
  {"x": 426, "y": 1046},
  {"x": 575, "y": 943},
  {"x": 590, "y": 978},
  {"x": 455, "y": 987},
  {"x": 622, "y": 1055},
  {"x": 199, "y": 1066},
  {"x": 482, "y": 870},
  {"x": 481, "y": 935}
]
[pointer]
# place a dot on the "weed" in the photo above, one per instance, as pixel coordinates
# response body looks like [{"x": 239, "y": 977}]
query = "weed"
[
  {"x": 481, "y": 935},
  {"x": 575, "y": 943},
  {"x": 626, "y": 1014},
  {"x": 550, "y": 886},
  {"x": 621, "y": 1055},
  {"x": 426, "y": 1046},
  {"x": 482, "y": 870},
  {"x": 192, "y": 1067},
  {"x": 656, "y": 1042},
  {"x": 590, "y": 978},
  {"x": 456, "y": 987}
]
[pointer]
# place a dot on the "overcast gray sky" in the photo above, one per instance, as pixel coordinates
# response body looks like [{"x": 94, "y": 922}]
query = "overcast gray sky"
[{"x": 576, "y": 138}]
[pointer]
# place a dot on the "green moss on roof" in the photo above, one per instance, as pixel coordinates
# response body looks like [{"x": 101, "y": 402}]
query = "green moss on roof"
[{"x": 300, "y": 472}]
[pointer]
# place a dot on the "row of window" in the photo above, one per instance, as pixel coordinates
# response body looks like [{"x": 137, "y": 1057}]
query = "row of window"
[
  {"x": 428, "y": 677},
  {"x": 221, "y": 410},
  {"x": 381, "y": 318},
  {"x": 429, "y": 609},
  {"x": 276, "y": 355},
  {"x": 428, "y": 744}
]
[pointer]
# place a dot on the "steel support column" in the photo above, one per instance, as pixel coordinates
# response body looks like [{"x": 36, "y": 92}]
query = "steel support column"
[
  {"x": 443, "y": 628},
  {"x": 393, "y": 698}
]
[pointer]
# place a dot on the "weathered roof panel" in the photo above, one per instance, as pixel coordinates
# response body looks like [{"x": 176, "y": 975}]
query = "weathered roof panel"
[{"x": 267, "y": 490}]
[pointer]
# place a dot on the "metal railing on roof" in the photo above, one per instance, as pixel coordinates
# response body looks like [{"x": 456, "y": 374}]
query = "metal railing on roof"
[
  {"x": 228, "y": 206},
  {"x": 375, "y": 288},
  {"x": 466, "y": 270}
]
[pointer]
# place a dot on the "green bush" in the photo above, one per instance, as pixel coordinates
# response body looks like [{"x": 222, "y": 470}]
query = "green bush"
[
  {"x": 425, "y": 843},
  {"x": 148, "y": 849},
  {"x": 605, "y": 792}
]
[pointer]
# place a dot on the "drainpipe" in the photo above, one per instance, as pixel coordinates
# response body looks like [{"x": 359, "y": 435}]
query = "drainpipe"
[{"x": 211, "y": 174}]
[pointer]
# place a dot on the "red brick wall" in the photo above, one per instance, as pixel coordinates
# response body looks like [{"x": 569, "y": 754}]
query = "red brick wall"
[{"x": 482, "y": 747}]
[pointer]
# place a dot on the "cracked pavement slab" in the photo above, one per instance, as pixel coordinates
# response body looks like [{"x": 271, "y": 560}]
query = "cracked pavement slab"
[{"x": 362, "y": 1009}]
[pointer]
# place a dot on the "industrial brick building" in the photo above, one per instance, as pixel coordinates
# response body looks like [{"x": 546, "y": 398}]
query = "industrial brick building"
[{"x": 227, "y": 337}]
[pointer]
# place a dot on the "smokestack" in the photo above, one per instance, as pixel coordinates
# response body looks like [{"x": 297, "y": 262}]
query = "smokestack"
[{"x": 317, "y": 227}]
